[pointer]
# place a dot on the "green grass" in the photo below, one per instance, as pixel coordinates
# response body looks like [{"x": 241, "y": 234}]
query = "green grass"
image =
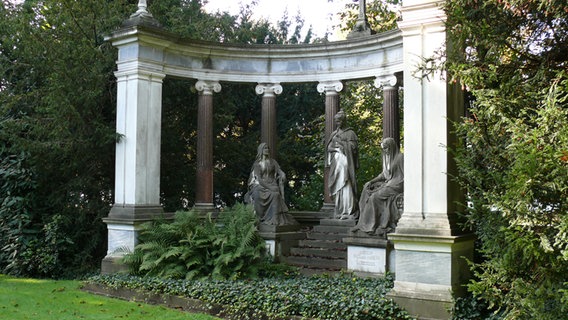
[{"x": 61, "y": 300}]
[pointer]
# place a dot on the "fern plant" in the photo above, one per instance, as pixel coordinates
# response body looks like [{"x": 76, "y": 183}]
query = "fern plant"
[
  {"x": 190, "y": 247},
  {"x": 239, "y": 247}
]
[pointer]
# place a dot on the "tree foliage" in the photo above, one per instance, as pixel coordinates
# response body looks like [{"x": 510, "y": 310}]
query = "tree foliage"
[
  {"x": 382, "y": 15},
  {"x": 512, "y": 57},
  {"x": 57, "y": 114}
]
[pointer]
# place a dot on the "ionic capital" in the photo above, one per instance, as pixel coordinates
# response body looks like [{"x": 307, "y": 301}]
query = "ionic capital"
[
  {"x": 208, "y": 87},
  {"x": 386, "y": 81},
  {"x": 268, "y": 89},
  {"x": 330, "y": 87}
]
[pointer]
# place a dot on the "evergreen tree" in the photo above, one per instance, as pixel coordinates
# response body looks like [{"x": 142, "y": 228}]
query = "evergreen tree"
[{"x": 513, "y": 161}]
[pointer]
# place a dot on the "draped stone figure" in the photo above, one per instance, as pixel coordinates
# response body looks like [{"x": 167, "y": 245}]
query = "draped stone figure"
[
  {"x": 266, "y": 190},
  {"x": 343, "y": 159},
  {"x": 378, "y": 207}
]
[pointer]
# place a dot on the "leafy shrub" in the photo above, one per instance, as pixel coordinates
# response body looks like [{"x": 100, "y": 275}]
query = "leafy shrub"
[
  {"x": 471, "y": 308},
  {"x": 16, "y": 184},
  {"x": 191, "y": 247},
  {"x": 323, "y": 297}
]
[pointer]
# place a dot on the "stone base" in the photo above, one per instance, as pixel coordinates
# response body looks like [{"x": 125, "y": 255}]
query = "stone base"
[
  {"x": 123, "y": 225},
  {"x": 281, "y": 239},
  {"x": 371, "y": 256},
  {"x": 134, "y": 212},
  {"x": 267, "y": 228},
  {"x": 204, "y": 209},
  {"x": 328, "y": 208},
  {"x": 423, "y": 305},
  {"x": 113, "y": 264},
  {"x": 430, "y": 270}
]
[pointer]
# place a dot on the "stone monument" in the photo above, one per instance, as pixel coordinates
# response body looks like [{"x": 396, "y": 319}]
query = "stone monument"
[
  {"x": 380, "y": 198},
  {"x": 266, "y": 194},
  {"x": 342, "y": 156},
  {"x": 380, "y": 207},
  {"x": 266, "y": 190}
]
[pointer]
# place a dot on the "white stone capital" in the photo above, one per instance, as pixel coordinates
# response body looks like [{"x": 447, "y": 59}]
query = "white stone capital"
[
  {"x": 208, "y": 87},
  {"x": 268, "y": 89},
  {"x": 386, "y": 81},
  {"x": 330, "y": 87}
]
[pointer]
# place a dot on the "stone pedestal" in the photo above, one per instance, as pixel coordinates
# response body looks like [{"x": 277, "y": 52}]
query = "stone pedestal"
[
  {"x": 429, "y": 270},
  {"x": 430, "y": 247},
  {"x": 368, "y": 255},
  {"x": 137, "y": 159},
  {"x": 122, "y": 233},
  {"x": 279, "y": 239}
]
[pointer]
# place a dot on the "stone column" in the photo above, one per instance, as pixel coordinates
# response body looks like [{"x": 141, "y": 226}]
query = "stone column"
[
  {"x": 269, "y": 132},
  {"x": 331, "y": 90},
  {"x": 430, "y": 247},
  {"x": 204, "y": 174},
  {"x": 137, "y": 174},
  {"x": 391, "y": 114}
]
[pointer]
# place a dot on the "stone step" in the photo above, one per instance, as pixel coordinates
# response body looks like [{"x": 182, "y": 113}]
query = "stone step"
[
  {"x": 316, "y": 263},
  {"x": 337, "y": 222},
  {"x": 331, "y": 229},
  {"x": 338, "y": 237},
  {"x": 318, "y": 252},
  {"x": 335, "y": 245}
]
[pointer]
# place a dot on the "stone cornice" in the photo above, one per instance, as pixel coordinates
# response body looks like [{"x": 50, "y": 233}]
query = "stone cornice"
[{"x": 359, "y": 58}]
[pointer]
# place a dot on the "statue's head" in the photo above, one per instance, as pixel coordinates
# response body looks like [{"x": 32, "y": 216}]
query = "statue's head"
[
  {"x": 261, "y": 150},
  {"x": 340, "y": 118},
  {"x": 389, "y": 146}
]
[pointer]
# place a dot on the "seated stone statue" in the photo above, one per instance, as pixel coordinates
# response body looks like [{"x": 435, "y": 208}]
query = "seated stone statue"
[
  {"x": 378, "y": 210},
  {"x": 266, "y": 190}
]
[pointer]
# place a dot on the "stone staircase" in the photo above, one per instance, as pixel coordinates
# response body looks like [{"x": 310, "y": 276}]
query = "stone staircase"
[{"x": 323, "y": 250}]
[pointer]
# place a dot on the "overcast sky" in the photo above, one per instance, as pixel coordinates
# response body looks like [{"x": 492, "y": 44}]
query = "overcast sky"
[{"x": 321, "y": 14}]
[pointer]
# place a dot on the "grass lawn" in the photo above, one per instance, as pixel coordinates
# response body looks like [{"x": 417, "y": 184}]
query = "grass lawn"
[{"x": 61, "y": 300}]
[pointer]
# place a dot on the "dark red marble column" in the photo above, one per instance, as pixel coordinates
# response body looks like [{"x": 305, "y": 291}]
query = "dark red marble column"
[
  {"x": 391, "y": 109},
  {"x": 204, "y": 174},
  {"x": 269, "y": 132}
]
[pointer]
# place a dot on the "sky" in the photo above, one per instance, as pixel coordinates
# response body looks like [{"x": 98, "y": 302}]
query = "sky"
[{"x": 320, "y": 14}]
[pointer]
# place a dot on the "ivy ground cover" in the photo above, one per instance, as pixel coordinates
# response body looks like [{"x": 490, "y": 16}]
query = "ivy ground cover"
[{"x": 317, "y": 297}]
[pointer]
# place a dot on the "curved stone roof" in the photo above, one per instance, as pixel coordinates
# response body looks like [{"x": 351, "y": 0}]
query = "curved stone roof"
[{"x": 156, "y": 50}]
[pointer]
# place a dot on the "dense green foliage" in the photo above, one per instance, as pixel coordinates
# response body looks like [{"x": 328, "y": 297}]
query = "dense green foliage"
[
  {"x": 56, "y": 133},
  {"x": 512, "y": 57},
  {"x": 472, "y": 308},
  {"x": 321, "y": 297},
  {"x": 190, "y": 247}
]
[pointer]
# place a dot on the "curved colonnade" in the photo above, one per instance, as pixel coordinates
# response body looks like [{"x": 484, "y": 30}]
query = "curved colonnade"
[
  {"x": 429, "y": 246},
  {"x": 147, "y": 54}
]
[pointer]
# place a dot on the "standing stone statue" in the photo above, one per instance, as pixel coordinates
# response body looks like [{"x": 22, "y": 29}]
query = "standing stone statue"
[
  {"x": 266, "y": 190},
  {"x": 379, "y": 211},
  {"x": 343, "y": 159}
]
